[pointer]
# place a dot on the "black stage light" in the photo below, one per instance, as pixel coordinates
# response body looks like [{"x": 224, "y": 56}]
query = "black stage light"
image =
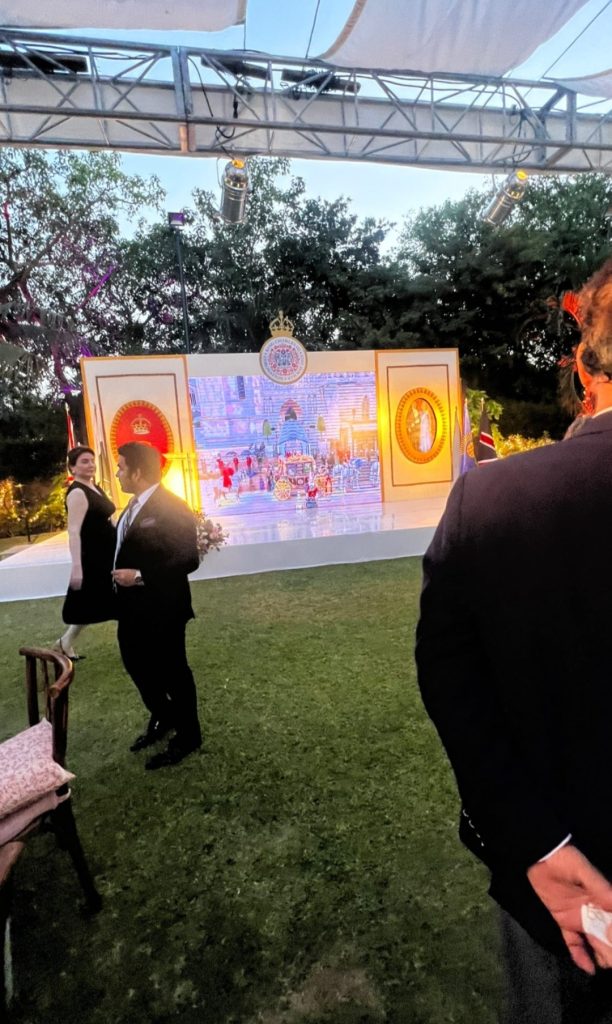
[
  {"x": 47, "y": 63},
  {"x": 238, "y": 68},
  {"x": 323, "y": 81},
  {"x": 177, "y": 221}
]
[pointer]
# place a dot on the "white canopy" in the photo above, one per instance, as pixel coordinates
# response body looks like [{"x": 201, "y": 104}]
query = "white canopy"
[
  {"x": 488, "y": 37},
  {"x": 590, "y": 85},
  {"x": 186, "y": 15}
]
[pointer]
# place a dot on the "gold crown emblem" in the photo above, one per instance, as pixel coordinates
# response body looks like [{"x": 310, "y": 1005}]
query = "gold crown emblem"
[
  {"x": 141, "y": 425},
  {"x": 281, "y": 325}
]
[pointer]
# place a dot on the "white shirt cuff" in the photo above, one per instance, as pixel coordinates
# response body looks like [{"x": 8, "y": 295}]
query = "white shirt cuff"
[{"x": 567, "y": 840}]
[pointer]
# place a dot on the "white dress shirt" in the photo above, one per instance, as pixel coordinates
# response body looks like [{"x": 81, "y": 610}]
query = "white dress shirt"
[{"x": 137, "y": 507}]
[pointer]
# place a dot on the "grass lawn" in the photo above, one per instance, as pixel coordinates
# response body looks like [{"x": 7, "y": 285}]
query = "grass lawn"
[
  {"x": 7, "y": 543},
  {"x": 304, "y": 868}
]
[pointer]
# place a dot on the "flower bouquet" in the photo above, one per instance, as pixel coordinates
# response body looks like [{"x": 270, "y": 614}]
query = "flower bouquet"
[{"x": 210, "y": 536}]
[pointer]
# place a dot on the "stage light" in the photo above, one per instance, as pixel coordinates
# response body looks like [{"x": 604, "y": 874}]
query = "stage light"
[
  {"x": 235, "y": 188},
  {"x": 238, "y": 68},
  {"x": 46, "y": 63},
  {"x": 177, "y": 221},
  {"x": 502, "y": 204},
  {"x": 323, "y": 81}
]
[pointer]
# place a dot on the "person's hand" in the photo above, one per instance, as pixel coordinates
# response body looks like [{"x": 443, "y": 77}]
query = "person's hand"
[
  {"x": 565, "y": 882},
  {"x": 126, "y": 577},
  {"x": 76, "y": 579}
]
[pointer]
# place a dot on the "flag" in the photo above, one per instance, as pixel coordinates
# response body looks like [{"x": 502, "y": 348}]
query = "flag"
[
  {"x": 485, "y": 445},
  {"x": 70, "y": 428},
  {"x": 467, "y": 442}
]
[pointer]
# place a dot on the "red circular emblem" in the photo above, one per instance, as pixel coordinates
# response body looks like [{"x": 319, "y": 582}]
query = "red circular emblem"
[{"x": 143, "y": 422}]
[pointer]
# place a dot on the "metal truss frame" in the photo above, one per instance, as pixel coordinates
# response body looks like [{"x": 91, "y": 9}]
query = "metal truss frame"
[{"x": 157, "y": 99}]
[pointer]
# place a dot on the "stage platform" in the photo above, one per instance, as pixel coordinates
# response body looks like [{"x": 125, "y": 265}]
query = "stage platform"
[{"x": 260, "y": 542}]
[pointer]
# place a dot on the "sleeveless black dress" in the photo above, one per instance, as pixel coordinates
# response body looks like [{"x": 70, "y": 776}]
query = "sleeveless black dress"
[{"x": 94, "y": 602}]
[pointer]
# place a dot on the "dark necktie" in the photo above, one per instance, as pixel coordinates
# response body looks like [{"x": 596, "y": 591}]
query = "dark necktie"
[{"x": 130, "y": 512}]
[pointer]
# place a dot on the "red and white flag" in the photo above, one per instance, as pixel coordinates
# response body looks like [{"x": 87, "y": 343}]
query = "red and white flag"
[
  {"x": 484, "y": 448},
  {"x": 72, "y": 442}
]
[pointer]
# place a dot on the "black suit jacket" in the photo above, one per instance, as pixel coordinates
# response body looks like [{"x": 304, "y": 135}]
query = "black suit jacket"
[
  {"x": 161, "y": 543},
  {"x": 514, "y": 655}
]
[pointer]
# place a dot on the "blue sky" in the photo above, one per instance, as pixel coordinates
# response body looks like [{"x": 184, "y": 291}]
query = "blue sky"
[{"x": 377, "y": 191}]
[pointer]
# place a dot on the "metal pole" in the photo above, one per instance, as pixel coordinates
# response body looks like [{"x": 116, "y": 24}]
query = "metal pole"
[{"x": 179, "y": 257}]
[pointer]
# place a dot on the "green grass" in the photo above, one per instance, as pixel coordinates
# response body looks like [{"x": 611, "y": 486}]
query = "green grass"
[
  {"x": 304, "y": 868},
  {"x": 8, "y": 543}
]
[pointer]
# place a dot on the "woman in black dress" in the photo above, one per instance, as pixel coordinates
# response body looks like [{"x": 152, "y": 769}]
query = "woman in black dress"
[{"x": 91, "y": 538}]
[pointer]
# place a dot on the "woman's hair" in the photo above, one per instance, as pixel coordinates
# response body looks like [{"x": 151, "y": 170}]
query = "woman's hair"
[
  {"x": 74, "y": 454},
  {"x": 596, "y": 311}
]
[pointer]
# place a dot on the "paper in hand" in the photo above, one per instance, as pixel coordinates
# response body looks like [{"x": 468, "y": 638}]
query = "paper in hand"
[{"x": 597, "y": 923}]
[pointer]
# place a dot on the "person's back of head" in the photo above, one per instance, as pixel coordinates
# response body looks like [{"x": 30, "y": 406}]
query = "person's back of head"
[
  {"x": 143, "y": 457},
  {"x": 595, "y": 299}
]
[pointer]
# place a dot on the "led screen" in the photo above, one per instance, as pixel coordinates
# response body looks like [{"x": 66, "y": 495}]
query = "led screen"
[{"x": 267, "y": 447}]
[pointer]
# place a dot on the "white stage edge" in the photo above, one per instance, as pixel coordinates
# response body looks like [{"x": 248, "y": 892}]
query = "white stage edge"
[{"x": 371, "y": 533}]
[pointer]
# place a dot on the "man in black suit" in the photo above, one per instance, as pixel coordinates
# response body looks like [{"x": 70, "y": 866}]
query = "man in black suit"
[
  {"x": 156, "y": 549},
  {"x": 514, "y": 665}
]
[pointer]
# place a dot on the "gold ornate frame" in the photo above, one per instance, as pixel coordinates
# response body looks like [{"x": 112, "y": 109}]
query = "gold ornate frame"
[{"x": 402, "y": 435}]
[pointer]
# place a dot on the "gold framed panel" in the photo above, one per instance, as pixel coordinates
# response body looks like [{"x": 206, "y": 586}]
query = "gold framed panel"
[{"x": 405, "y": 430}]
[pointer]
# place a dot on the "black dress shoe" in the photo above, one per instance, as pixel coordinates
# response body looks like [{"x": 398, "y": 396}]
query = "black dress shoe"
[
  {"x": 155, "y": 732},
  {"x": 174, "y": 753}
]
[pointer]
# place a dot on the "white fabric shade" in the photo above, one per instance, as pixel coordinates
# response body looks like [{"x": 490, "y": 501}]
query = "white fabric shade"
[
  {"x": 488, "y": 37},
  {"x": 590, "y": 85},
  {"x": 186, "y": 15}
]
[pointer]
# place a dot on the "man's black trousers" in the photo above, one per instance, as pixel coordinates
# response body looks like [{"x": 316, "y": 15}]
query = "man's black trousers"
[{"x": 154, "y": 656}]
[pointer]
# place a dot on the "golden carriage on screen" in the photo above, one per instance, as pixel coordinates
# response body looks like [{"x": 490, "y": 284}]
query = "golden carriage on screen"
[{"x": 296, "y": 473}]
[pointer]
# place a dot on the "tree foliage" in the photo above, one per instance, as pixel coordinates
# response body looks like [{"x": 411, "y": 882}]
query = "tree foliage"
[
  {"x": 310, "y": 257},
  {"x": 75, "y": 277},
  {"x": 58, "y": 235},
  {"x": 495, "y": 293}
]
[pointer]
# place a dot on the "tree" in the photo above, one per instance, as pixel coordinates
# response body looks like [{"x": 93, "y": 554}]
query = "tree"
[
  {"x": 32, "y": 440},
  {"x": 59, "y": 226},
  {"x": 60, "y": 222},
  {"x": 310, "y": 257},
  {"x": 495, "y": 293}
]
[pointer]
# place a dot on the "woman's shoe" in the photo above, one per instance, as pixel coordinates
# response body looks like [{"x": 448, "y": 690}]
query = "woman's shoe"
[{"x": 59, "y": 647}]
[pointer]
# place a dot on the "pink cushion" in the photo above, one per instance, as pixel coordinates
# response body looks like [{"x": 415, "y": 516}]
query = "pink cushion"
[
  {"x": 14, "y": 824},
  {"x": 27, "y": 768}
]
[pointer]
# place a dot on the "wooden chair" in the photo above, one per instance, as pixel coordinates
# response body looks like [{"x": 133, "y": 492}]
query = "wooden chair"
[{"x": 52, "y": 673}]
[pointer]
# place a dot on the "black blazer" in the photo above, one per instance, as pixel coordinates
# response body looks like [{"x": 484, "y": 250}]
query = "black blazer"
[
  {"x": 514, "y": 656},
  {"x": 161, "y": 543}
]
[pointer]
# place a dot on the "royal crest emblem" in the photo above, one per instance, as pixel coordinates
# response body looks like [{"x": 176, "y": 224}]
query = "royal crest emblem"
[
  {"x": 141, "y": 426},
  {"x": 282, "y": 357},
  {"x": 141, "y": 421}
]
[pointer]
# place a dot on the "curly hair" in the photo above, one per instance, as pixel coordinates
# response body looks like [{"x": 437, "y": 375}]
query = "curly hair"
[{"x": 596, "y": 309}]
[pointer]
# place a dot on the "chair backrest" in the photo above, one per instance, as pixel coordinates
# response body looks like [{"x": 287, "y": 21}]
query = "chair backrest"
[{"x": 50, "y": 673}]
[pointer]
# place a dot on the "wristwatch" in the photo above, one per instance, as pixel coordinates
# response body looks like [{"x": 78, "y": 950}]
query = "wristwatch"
[{"x": 138, "y": 578}]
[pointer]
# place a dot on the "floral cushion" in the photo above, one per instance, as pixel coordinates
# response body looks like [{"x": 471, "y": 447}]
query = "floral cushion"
[
  {"x": 14, "y": 824},
  {"x": 27, "y": 768}
]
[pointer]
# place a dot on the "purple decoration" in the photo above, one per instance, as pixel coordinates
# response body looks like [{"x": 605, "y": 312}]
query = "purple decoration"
[{"x": 99, "y": 284}]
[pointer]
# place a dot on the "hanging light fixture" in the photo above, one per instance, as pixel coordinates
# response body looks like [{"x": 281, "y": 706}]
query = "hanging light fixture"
[
  {"x": 503, "y": 203},
  {"x": 235, "y": 187}
]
